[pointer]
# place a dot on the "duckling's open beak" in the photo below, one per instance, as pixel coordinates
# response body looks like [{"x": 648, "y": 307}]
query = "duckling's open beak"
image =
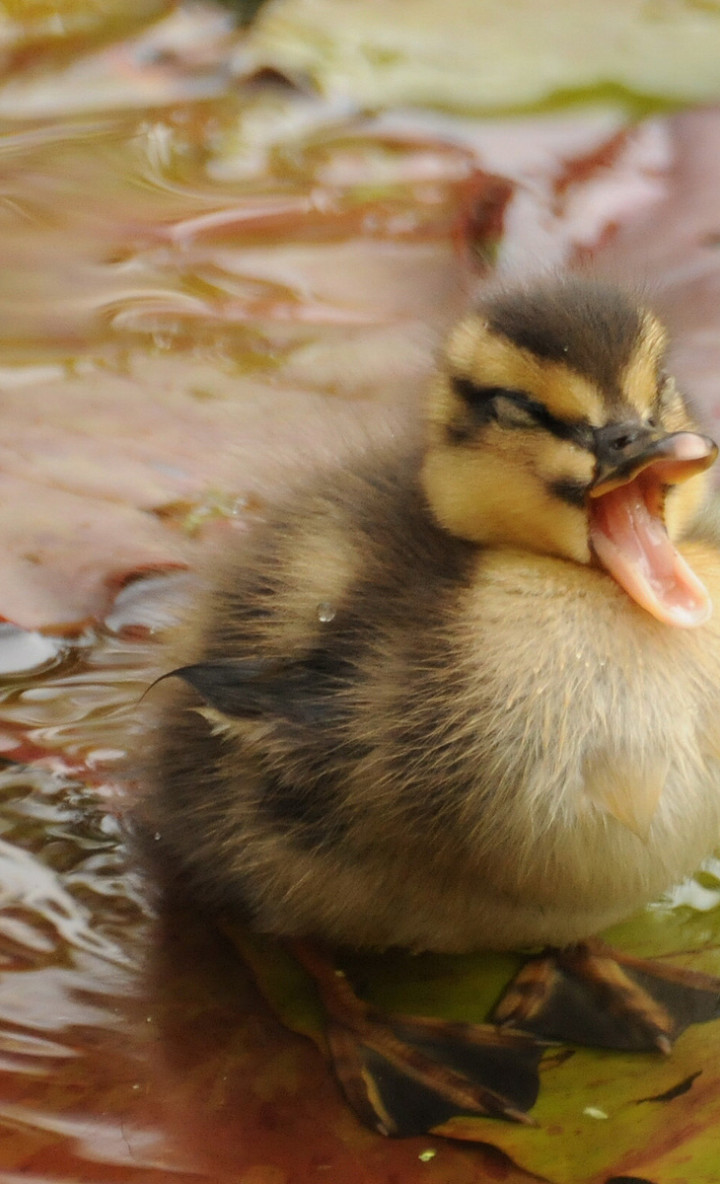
[{"x": 627, "y": 524}]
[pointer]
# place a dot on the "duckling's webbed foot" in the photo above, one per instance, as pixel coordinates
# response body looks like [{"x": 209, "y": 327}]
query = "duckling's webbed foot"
[
  {"x": 591, "y": 994},
  {"x": 405, "y": 1076}
]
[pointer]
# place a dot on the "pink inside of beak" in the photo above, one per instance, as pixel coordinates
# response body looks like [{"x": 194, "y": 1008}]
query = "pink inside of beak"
[{"x": 628, "y": 535}]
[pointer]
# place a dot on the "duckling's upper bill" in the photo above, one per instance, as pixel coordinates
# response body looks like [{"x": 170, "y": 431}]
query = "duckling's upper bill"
[{"x": 554, "y": 427}]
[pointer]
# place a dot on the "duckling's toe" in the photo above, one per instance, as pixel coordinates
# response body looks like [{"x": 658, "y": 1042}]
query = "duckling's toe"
[
  {"x": 591, "y": 994},
  {"x": 407, "y": 1076}
]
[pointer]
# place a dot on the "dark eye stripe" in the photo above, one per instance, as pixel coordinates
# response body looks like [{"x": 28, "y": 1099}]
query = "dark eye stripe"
[
  {"x": 480, "y": 400},
  {"x": 569, "y": 490}
]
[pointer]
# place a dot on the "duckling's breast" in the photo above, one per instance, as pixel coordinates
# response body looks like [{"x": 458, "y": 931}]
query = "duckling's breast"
[
  {"x": 549, "y": 765},
  {"x": 598, "y": 728}
]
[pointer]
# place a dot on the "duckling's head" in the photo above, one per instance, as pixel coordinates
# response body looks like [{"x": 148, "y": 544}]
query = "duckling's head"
[{"x": 554, "y": 427}]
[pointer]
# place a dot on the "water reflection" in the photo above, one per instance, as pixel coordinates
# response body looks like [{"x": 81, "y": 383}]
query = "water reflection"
[
  {"x": 76, "y": 1025},
  {"x": 23, "y": 652}
]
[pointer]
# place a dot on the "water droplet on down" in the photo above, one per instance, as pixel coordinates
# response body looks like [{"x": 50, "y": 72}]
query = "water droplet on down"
[{"x": 325, "y": 612}]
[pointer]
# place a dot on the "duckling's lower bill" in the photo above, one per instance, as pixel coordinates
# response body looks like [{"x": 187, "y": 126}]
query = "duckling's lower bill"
[
  {"x": 438, "y": 699},
  {"x": 628, "y": 530}
]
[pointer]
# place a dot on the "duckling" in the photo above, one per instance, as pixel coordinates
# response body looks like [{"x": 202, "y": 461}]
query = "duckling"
[{"x": 461, "y": 690}]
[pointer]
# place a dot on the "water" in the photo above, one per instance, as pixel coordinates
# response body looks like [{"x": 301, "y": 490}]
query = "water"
[{"x": 325, "y": 612}]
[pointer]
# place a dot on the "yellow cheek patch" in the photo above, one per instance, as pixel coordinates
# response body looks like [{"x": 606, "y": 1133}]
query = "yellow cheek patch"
[
  {"x": 496, "y": 496},
  {"x": 561, "y": 460}
]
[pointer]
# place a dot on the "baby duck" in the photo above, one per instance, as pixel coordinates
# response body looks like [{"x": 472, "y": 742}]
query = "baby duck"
[{"x": 462, "y": 690}]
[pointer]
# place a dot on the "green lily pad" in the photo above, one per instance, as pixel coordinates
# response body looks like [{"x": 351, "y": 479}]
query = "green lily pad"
[
  {"x": 601, "y": 1114},
  {"x": 478, "y": 55}
]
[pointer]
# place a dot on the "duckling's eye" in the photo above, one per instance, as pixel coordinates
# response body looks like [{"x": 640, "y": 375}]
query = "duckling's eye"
[
  {"x": 515, "y": 409},
  {"x": 509, "y": 408},
  {"x": 513, "y": 412}
]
